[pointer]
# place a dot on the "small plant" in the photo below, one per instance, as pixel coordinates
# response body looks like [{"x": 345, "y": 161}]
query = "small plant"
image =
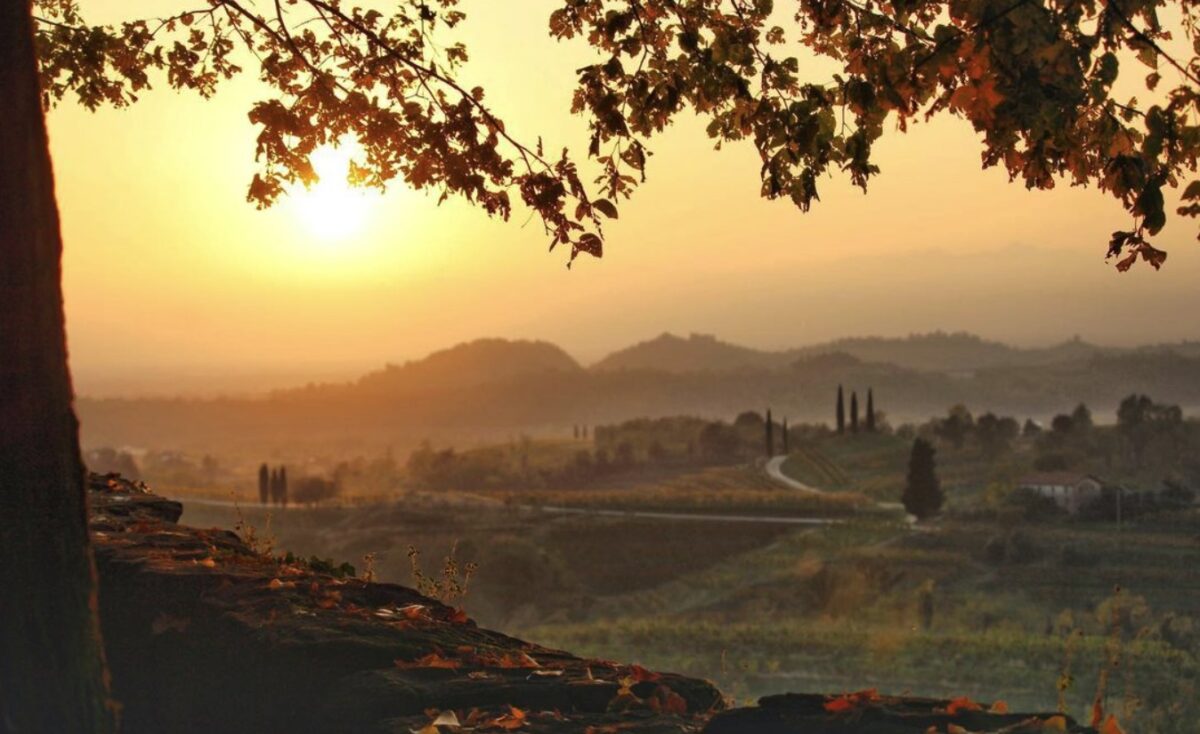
[
  {"x": 262, "y": 543},
  {"x": 321, "y": 565},
  {"x": 450, "y": 587},
  {"x": 368, "y": 573}
]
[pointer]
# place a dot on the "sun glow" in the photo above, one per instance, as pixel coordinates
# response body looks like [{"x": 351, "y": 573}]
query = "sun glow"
[{"x": 332, "y": 210}]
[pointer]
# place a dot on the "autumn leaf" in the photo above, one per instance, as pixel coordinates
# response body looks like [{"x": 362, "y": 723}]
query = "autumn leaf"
[
  {"x": 432, "y": 660},
  {"x": 999, "y": 707},
  {"x": 1055, "y": 723},
  {"x": 849, "y": 701},
  {"x": 1111, "y": 726},
  {"x": 514, "y": 719},
  {"x": 962, "y": 703},
  {"x": 668, "y": 701}
]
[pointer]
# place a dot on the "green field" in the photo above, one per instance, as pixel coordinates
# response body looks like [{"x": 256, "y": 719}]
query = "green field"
[{"x": 873, "y": 464}]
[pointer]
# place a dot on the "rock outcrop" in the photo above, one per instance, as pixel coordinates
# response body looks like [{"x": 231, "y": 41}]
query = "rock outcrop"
[{"x": 207, "y": 634}]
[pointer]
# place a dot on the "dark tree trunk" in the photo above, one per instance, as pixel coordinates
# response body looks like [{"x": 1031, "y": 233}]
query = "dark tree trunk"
[{"x": 52, "y": 673}]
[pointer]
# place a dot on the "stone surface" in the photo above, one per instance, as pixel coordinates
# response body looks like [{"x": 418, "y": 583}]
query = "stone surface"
[
  {"x": 866, "y": 712},
  {"x": 204, "y": 634}
]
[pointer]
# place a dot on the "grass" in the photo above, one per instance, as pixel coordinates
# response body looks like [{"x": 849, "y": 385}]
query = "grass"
[
  {"x": 874, "y": 465},
  {"x": 721, "y": 490}
]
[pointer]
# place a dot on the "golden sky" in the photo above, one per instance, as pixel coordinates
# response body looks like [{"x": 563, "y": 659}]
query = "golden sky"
[{"x": 173, "y": 280}]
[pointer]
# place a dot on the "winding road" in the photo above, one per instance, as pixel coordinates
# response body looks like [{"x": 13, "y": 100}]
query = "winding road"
[{"x": 774, "y": 470}]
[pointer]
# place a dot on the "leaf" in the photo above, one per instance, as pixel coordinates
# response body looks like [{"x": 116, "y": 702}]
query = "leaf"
[
  {"x": 998, "y": 707},
  {"x": 962, "y": 703},
  {"x": 606, "y": 208},
  {"x": 1111, "y": 726},
  {"x": 446, "y": 718},
  {"x": 514, "y": 719},
  {"x": 432, "y": 660},
  {"x": 849, "y": 701},
  {"x": 640, "y": 674}
]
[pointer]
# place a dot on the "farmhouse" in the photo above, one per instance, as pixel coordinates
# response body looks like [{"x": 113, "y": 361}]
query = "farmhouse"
[{"x": 1069, "y": 490}]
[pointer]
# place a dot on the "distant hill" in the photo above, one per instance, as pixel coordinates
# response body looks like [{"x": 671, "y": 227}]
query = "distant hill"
[
  {"x": 953, "y": 352},
  {"x": 493, "y": 388},
  {"x": 471, "y": 363},
  {"x": 933, "y": 352},
  {"x": 697, "y": 353}
]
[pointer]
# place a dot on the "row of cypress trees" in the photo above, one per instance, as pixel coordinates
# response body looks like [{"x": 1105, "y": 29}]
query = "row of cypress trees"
[
  {"x": 770, "y": 435},
  {"x": 868, "y": 423},
  {"x": 273, "y": 485}
]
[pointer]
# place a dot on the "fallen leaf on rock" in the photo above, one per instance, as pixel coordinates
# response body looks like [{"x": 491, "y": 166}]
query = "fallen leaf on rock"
[
  {"x": 962, "y": 703},
  {"x": 514, "y": 719},
  {"x": 414, "y": 611},
  {"x": 850, "y": 701},
  {"x": 208, "y": 563},
  {"x": 458, "y": 616},
  {"x": 999, "y": 707},
  {"x": 641, "y": 674},
  {"x": 446, "y": 718},
  {"x": 432, "y": 660},
  {"x": 1110, "y": 726},
  {"x": 666, "y": 701},
  {"x": 543, "y": 673},
  {"x": 625, "y": 698},
  {"x": 1055, "y": 723}
]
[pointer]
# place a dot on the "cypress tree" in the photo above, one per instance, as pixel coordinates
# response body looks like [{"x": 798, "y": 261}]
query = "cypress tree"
[
  {"x": 283, "y": 486},
  {"x": 870, "y": 410},
  {"x": 786, "y": 450},
  {"x": 264, "y": 484},
  {"x": 273, "y": 486},
  {"x": 854, "y": 412},
  {"x": 923, "y": 492},
  {"x": 841, "y": 412},
  {"x": 770, "y": 435}
]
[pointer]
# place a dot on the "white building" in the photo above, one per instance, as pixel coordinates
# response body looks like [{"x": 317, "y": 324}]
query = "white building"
[{"x": 1069, "y": 490}]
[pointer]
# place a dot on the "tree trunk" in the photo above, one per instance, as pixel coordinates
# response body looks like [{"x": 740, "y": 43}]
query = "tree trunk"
[{"x": 52, "y": 672}]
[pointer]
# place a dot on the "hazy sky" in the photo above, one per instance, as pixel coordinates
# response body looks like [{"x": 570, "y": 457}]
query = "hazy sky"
[{"x": 171, "y": 278}]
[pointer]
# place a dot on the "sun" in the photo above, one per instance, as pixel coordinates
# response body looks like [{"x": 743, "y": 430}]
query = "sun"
[{"x": 331, "y": 210}]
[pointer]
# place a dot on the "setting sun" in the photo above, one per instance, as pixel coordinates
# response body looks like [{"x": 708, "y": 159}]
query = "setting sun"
[{"x": 332, "y": 210}]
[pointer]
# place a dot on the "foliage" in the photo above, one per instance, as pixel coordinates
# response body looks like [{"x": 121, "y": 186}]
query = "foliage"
[
  {"x": 1037, "y": 78},
  {"x": 922, "y": 493},
  {"x": 451, "y": 584},
  {"x": 955, "y": 427},
  {"x": 996, "y": 434},
  {"x": 314, "y": 490}
]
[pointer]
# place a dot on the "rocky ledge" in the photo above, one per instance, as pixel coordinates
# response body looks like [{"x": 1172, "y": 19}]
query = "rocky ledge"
[{"x": 206, "y": 634}]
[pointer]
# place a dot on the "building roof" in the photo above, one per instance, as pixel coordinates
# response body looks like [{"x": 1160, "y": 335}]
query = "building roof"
[{"x": 1057, "y": 478}]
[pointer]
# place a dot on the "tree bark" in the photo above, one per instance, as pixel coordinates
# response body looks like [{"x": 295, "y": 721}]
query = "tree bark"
[{"x": 52, "y": 671}]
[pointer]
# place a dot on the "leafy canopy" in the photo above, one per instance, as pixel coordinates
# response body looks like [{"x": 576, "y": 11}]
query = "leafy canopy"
[{"x": 1036, "y": 79}]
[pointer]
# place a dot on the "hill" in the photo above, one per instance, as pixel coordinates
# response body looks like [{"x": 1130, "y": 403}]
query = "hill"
[
  {"x": 471, "y": 363},
  {"x": 697, "y": 353}
]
